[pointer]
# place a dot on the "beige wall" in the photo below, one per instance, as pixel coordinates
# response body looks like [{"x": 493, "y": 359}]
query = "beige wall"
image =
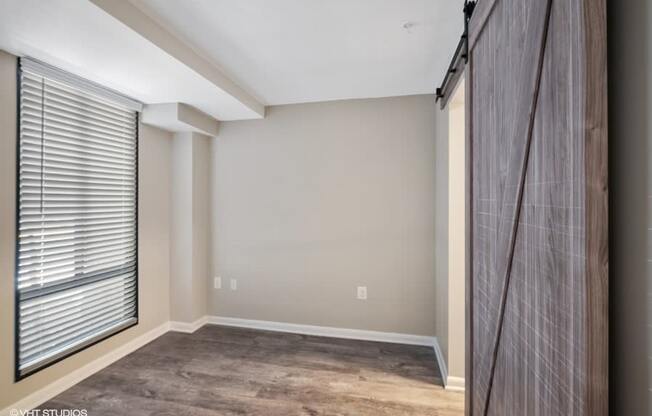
[
  {"x": 201, "y": 224},
  {"x": 181, "y": 230},
  {"x": 630, "y": 141},
  {"x": 153, "y": 245},
  {"x": 441, "y": 228},
  {"x": 190, "y": 230},
  {"x": 318, "y": 199},
  {"x": 456, "y": 234}
]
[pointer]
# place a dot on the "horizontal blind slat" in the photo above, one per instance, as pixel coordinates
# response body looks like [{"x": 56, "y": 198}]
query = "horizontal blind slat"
[
  {"x": 33, "y": 131},
  {"x": 38, "y": 219},
  {"x": 31, "y": 280},
  {"x": 34, "y": 252},
  {"x": 46, "y": 268},
  {"x": 54, "y": 103},
  {"x": 42, "y": 289},
  {"x": 48, "y": 118},
  {"x": 25, "y": 227},
  {"x": 55, "y": 315},
  {"x": 68, "y": 147},
  {"x": 54, "y": 234},
  {"x": 87, "y": 162},
  {"x": 70, "y": 318},
  {"x": 73, "y": 175},
  {"x": 70, "y": 335},
  {"x": 33, "y": 306},
  {"x": 36, "y": 124},
  {"x": 71, "y": 253},
  {"x": 27, "y": 367},
  {"x": 49, "y": 165},
  {"x": 80, "y": 211},
  {"x": 32, "y": 108},
  {"x": 63, "y": 182}
]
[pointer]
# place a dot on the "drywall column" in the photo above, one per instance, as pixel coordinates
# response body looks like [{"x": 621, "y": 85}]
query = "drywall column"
[
  {"x": 456, "y": 240},
  {"x": 190, "y": 238},
  {"x": 201, "y": 237}
]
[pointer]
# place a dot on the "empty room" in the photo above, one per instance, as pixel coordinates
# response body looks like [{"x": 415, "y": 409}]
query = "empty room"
[{"x": 325, "y": 207}]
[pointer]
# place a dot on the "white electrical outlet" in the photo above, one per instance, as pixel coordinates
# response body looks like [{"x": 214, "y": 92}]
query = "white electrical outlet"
[
  {"x": 217, "y": 282},
  {"x": 234, "y": 284},
  {"x": 362, "y": 292}
]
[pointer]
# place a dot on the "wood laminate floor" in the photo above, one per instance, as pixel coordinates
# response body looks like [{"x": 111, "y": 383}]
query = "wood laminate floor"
[{"x": 233, "y": 371}]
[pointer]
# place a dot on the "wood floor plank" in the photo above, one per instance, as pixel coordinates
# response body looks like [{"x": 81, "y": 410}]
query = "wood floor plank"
[{"x": 234, "y": 371}]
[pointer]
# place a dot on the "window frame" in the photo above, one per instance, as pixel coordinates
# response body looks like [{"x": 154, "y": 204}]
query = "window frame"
[{"x": 18, "y": 375}]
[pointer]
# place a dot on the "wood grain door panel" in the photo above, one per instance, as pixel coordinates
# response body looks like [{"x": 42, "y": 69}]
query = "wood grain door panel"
[{"x": 536, "y": 86}]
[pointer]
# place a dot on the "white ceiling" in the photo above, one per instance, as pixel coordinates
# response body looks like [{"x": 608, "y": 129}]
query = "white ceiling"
[
  {"x": 80, "y": 37},
  {"x": 276, "y": 51},
  {"x": 291, "y": 51}
]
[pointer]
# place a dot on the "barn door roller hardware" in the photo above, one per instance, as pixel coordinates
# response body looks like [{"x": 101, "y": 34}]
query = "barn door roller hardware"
[{"x": 461, "y": 56}]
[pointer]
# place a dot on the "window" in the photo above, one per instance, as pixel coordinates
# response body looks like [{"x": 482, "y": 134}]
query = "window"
[{"x": 76, "y": 254}]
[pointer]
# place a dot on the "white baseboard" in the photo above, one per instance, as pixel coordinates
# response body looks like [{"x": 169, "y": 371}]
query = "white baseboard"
[
  {"x": 46, "y": 393},
  {"x": 325, "y": 331},
  {"x": 186, "y": 327},
  {"x": 441, "y": 362},
  {"x": 450, "y": 382},
  {"x": 455, "y": 383}
]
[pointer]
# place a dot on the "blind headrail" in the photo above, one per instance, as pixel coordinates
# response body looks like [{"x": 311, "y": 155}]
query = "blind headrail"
[{"x": 48, "y": 71}]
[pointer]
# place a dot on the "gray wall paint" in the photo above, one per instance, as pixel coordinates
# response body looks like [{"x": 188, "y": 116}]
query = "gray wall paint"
[
  {"x": 317, "y": 199},
  {"x": 153, "y": 245},
  {"x": 630, "y": 119}
]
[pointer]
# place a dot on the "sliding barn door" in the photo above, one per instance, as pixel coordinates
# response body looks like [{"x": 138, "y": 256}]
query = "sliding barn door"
[{"x": 538, "y": 268}]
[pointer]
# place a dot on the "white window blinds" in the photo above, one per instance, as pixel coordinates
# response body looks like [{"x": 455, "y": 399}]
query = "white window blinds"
[{"x": 76, "y": 257}]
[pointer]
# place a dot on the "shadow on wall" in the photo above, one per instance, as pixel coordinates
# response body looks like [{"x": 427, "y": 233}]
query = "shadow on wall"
[{"x": 630, "y": 209}]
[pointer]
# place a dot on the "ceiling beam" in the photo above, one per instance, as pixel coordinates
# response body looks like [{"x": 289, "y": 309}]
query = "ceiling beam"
[
  {"x": 179, "y": 117},
  {"x": 141, "y": 23}
]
